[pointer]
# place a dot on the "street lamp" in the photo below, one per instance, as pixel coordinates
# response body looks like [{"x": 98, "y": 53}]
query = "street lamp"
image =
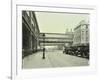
[{"x": 43, "y": 46}]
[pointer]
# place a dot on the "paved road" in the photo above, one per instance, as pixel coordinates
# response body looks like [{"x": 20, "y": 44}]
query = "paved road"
[{"x": 53, "y": 59}]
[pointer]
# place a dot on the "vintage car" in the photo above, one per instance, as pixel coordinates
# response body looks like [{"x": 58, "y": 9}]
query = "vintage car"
[{"x": 79, "y": 50}]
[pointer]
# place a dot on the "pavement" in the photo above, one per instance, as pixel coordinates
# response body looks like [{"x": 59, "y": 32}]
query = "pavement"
[{"x": 53, "y": 59}]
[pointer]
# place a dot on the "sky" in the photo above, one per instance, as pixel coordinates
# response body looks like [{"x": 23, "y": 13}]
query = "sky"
[{"x": 58, "y": 22}]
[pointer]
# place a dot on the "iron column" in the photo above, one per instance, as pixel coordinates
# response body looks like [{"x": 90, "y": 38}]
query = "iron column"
[{"x": 43, "y": 46}]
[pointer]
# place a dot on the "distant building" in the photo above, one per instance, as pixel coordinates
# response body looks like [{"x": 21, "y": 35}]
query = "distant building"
[
  {"x": 30, "y": 33},
  {"x": 69, "y": 35},
  {"x": 81, "y": 33}
]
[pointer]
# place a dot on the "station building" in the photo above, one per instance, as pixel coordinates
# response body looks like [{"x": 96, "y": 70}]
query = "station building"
[
  {"x": 81, "y": 33},
  {"x": 30, "y": 33}
]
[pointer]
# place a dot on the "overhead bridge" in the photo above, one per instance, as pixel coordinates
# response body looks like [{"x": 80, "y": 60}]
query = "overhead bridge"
[{"x": 51, "y": 39}]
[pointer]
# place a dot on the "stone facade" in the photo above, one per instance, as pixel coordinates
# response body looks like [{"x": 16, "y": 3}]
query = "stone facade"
[
  {"x": 81, "y": 33},
  {"x": 30, "y": 33}
]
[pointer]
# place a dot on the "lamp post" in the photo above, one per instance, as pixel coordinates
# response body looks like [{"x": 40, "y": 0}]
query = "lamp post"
[{"x": 43, "y": 46}]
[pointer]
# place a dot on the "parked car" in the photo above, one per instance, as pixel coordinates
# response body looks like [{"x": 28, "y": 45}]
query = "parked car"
[{"x": 79, "y": 50}]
